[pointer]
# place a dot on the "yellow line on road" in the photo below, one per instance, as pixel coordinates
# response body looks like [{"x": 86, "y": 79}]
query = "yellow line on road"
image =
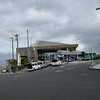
[{"x": 21, "y": 71}]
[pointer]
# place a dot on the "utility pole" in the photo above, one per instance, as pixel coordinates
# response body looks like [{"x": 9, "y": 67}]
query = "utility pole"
[
  {"x": 28, "y": 52},
  {"x": 18, "y": 55},
  {"x": 12, "y": 48},
  {"x": 17, "y": 43}
]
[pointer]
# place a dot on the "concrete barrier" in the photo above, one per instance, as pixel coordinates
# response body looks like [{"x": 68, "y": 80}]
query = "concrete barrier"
[{"x": 18, "y": 68}]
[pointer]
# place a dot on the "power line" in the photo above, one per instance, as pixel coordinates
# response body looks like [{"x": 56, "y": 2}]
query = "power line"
[{"x": 4, "y": 28}]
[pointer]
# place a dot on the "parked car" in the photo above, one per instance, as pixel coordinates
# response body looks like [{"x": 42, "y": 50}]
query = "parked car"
[
  {"x": 42, "y": 64},
  {"x": 50, "y": 63},
  {"x": 33, "y": 66},
  {"x": 46, "y": 63},
  {"x": 56, "y": 62},
  {"x": 4, "y": 70},
  {"x": 71, "y": 59}
]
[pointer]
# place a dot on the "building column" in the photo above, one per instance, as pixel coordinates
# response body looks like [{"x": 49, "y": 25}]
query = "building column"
[
  {"x": 75, "y": 49},
  {"x": 67, "y": 49},
  {"x": 36, "y": 54}
]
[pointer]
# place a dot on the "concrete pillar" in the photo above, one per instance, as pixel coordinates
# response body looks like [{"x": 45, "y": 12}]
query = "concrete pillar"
[
  {"x": 36, "y": 53},
  {"x": 67, "y": 49}
]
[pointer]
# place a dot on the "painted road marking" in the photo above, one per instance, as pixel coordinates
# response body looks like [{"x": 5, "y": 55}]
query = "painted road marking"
[
  {"x": 83, "y": 74},
  {"x": 62, "y": 66},
  {"x": 22, "y": 70},
  {"x": 59, "y": 70},
  {"x": 68, "y": 68}
]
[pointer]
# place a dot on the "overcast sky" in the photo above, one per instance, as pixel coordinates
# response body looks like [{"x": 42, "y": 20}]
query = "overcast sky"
[{"x": 50, "y": 20}]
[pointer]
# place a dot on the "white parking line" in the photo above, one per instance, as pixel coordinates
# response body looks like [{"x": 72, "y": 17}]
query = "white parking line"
[
  {"x": 83, "y": 74},
  {"x": 62, "y": 66},
  {"x": 51, "y": 85},
  {"x": 59, "y": 70},
  {"x": 68, "y": 68}
]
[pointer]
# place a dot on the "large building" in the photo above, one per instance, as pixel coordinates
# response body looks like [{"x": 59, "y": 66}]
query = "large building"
[{"x": 42, "y": 47}]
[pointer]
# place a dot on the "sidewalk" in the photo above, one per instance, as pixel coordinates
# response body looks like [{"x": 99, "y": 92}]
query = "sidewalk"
[
  {"x": 79, "y": 61},
  {"x": 95, "y": 67}
]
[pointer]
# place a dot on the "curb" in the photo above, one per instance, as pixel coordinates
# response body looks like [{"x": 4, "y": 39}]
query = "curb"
[{"x": 93, "y": 68}]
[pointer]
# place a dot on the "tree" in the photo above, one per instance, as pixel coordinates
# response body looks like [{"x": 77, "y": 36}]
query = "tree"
[
  {"x": 71, "y": 49},
  {"x": 83, "y": 52},
  {"x": 58, "y": 48}
]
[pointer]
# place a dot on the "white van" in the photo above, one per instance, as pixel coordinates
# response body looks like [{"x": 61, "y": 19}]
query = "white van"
[{"x": 33, "y": 66}]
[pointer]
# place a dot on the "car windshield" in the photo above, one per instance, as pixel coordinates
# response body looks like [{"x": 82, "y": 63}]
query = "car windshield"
[
  {"x": 40, "y": 62},
  {"x": 55, "y": 60}
]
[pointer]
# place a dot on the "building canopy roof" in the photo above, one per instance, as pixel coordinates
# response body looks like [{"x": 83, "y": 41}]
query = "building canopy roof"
[
  {"x": 47, "y": 43},
  {"x": 64, "y": 52}
]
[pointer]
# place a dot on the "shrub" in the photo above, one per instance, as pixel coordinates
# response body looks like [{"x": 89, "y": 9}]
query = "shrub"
[
  {"x": 98, "y": 57},
  {"x": 24, "y": 62},
  {"x": 12, "y": 66}
]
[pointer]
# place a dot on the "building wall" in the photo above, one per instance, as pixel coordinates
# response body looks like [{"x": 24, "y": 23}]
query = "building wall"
[{"x": 41, "y": 50}]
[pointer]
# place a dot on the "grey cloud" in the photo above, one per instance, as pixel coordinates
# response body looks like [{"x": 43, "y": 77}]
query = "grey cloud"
[{"x": 54, "y": 20}]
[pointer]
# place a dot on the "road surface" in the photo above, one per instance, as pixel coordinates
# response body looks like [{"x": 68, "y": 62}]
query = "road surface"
[{"x": 72, "y": 81}]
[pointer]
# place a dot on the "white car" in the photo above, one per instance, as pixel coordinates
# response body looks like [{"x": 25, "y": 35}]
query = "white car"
[
  {"x": 56, "y": 62},
  {"x": 33, "y": 66},
  {"x": 4, "y": 70},
  {"x": 42, "y": 64}
]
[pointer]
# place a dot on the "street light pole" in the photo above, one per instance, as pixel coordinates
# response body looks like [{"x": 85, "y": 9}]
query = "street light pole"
[
  {"x": 77, "y": 47},
  {"x": 99, "y": 43},
  {"x": 92, "y": 57},
  {"x": 98, "y": 8}
]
